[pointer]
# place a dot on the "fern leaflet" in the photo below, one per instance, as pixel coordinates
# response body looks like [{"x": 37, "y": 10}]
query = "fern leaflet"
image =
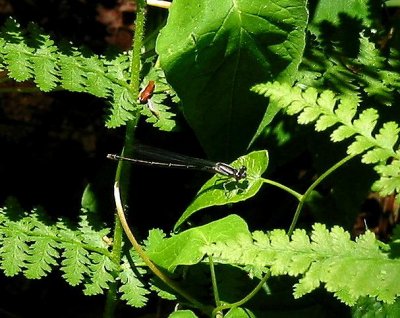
[
  {"x": 32, "y": 245},
  {"x": 34, "y": 56},
  {"x": 327, "y": 109},
  {"x": 349, "y": 269},
  {"x": 132, "y": 289}
]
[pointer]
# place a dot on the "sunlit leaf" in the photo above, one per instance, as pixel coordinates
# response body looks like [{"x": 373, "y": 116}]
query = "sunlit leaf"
[
  {"x": 220, "y": 190},
  {"x": 222, "y": 49}
]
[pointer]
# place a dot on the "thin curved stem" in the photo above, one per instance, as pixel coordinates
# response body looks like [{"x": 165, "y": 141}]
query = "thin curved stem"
[
  {"x": 305, "y": 196},
  {"x": 214, "y": 281},
  {"x": 297, "y": 195},
  {"x": 123, "y": 170},
  {"x": 159, "y": 4},
  {"x": 138, "y": 248},
  {"x": 244, "y": 299}
]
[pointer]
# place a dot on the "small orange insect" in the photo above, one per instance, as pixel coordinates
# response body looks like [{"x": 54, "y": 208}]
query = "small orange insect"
[{"x": 147, "y": 92}]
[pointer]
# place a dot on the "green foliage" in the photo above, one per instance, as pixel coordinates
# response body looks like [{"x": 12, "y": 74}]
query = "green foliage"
[
  {"x": 335, "y": 11},
  {"x": 326, "y": 109},
  {"x": 182, "y": 314},
  {"x": 368, "y": 307},
  {"x": 221, "y": 191},
  {"x": 32, "y": 246},
  {"x": 186, "y": 248},
  {"x": 34, "y": 56},
  {"x": 132, "y": 289},
  {"x": 368, "y": 73},
  {"x": 220, "y": 51},
  {"x": 345, "y": 267},
  {"x": 349, "y": 269}
]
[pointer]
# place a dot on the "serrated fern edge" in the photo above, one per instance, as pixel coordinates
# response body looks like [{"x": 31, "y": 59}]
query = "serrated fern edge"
[
  {"x": 34, "y": 56},
  {"x": 348, "y": 269},
  {"x": 326, "y": 110},
  {"x": 34, "y": 247}
]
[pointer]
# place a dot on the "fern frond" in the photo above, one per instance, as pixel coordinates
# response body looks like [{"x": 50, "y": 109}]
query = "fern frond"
[
  {"x": 34, "y": 56},
  {"x": 377, "y": 79},
  {"x": 368, "y": 74},
  {"x": 100, "y": 268},
  {"x": 74, "y": 264},
  {"x": 43, "y": 252},
  {"x": 389, "y": 181},
  {"x": 121, "y": 110},
  {"x": 72, "y": 72},
  {"x": 44, "y": 63},
  {"x": 32, "y": 245},
  {"x": 349, "y": 269},
  {"x": 161, "y": 116},
  {"x": 97, "y": 86},
  {"x": 14, "y": 248},
  {"x": 15, "y": 53},
  {"x": 132, "y": 289},
  {"x": 327, "y": 110}
]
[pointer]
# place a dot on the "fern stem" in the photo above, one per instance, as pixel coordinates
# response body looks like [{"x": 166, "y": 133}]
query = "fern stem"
[
  {"x": 123, "y": 169},
  {"x": 250, "y": 295},
  {"x": 60, "y": 239},
  {"x": 312, "y": 187},
  {"x": 297, "y": 195}
]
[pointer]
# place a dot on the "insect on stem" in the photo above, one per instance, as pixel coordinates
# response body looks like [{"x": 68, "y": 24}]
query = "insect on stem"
[
  {"x": 145, "y": 98},
  {"x": 147, "y": 92}
]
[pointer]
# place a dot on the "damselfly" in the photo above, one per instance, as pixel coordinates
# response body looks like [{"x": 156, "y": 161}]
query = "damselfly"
[{"x": 150, "y": 156}]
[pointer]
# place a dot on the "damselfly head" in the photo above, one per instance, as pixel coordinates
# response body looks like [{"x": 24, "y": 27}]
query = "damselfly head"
[
  {"x": 241, "y": 173},
  {"x": 112, "y": 156}
]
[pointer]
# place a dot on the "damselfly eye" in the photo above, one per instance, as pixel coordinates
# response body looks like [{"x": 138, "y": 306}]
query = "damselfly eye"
[
  {"x": 241, "y": 173},
  {"x": 147, "y": 92}
]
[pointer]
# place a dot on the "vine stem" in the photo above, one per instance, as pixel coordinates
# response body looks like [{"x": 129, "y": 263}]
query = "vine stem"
[
  {"x": 239, "y": 303},
  {"x": 305, "y": 196},
  {"x": 302, "y": 199},
  {"x": 214, "y": 281},
  {"x": 138, "y": 248},
  {"x": 159, "y": 4},
  {"x": 122, "y": 175},
  {"x": 297, "y": 195},
  {"x": 123, "y": 169}
]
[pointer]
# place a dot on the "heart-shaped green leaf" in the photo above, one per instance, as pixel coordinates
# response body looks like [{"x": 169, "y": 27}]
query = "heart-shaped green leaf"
[
  {"x": 213, "y": 52},
  {"x": 186, "y": 248}
]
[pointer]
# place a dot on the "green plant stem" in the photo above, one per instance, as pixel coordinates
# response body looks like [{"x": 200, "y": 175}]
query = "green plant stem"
[
  {"x": 124, "y": 169},
  {"x": 245, "y": 299},
  {"x": 305, "y": 196},
  {"x": 116, "y": 254},
  {"x": 214, "y": 281},
  {"x": 137, "y": 45},
  {"x": 297, "y": 195},
  {"x": 138, "y": 248},
  {"x": 159, "y": 4}
]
